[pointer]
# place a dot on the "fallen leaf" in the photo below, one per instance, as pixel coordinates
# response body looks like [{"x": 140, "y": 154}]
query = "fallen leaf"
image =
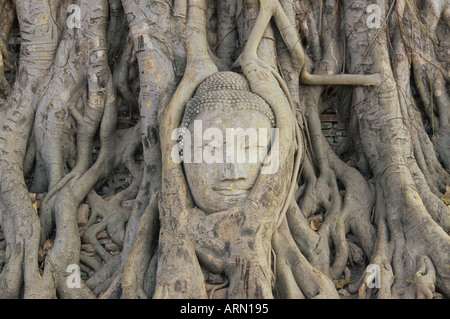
[
  {"x": 102, "y": 235},
  {"x": 41, "y": 269},
  {"x": 32, "y": 197},
  {"x": 47, "y": 245},
  {"x": 35, "y": 206},
  {"x": 315, "y": 222},
  {"x": 111, "y": 247},
  {"x": 87, "y": 247},
  {"x": 315, "y": 225},
  {"x": 446, "y": 197},
  {"x": 343, "y": 283}
]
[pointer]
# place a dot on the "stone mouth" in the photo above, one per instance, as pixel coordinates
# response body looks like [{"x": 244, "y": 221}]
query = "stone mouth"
[{"x": 232, "y": 191}]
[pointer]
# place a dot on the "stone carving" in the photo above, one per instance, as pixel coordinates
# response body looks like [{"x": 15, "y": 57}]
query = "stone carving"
[{"x": 224, "y": 103}]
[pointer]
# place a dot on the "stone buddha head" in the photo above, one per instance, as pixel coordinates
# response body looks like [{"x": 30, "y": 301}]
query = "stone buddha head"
[{"x": 226, "y": 134}]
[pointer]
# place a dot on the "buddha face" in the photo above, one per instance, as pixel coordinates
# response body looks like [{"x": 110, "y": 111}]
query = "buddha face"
[{"x": 225, "y": 164}]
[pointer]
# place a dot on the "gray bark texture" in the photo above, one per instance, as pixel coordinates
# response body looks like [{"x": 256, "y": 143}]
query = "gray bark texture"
[{"x": 93, "y": 203}]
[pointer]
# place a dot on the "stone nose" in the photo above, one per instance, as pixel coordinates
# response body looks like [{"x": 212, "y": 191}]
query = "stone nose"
[{"x": 233, "y": 171}]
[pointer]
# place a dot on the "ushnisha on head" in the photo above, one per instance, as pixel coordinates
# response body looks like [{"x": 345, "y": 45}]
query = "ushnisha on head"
[
  {"x": 225, "y": 101},
  {"x": 223, "y": 91}
]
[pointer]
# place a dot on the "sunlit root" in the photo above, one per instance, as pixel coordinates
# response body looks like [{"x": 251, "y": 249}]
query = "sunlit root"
[{"x": 272, "y": 8}]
